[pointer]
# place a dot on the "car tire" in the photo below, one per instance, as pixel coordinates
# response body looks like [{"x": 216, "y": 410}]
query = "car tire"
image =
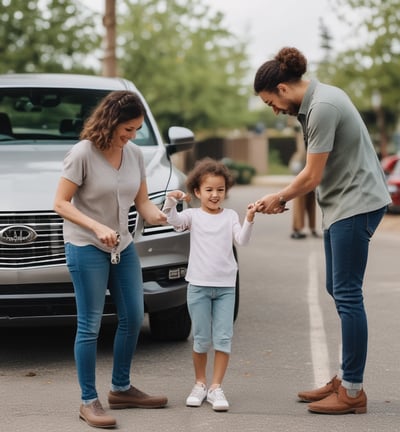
[
  {"x": 175, "y": 324},
  {"x": 171, "y": 324}
]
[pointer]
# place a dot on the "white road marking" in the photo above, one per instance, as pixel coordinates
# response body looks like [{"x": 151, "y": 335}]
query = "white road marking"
[{"x": 319, "y": 347}]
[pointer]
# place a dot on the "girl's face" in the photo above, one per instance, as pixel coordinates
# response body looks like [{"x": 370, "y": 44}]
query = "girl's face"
[
  {"x": 211, "y": 193},
  {"x": 126, "y": 131}
]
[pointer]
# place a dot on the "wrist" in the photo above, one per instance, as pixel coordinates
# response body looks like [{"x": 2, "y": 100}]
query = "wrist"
[{"x": 282, "y": 201}]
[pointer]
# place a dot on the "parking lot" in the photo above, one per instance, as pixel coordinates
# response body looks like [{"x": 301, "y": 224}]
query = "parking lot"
[{"x": 271, "y": 359}]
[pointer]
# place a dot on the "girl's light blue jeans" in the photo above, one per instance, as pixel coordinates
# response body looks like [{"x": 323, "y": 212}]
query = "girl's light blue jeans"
[
  {"x": 346, "y": 251},
  {"x": 92, "y": 273},
  {"x": 211, "y": 311}
]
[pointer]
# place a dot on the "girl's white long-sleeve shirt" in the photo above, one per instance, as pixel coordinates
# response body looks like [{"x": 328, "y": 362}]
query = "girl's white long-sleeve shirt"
[{"x": 211, "y": 258}]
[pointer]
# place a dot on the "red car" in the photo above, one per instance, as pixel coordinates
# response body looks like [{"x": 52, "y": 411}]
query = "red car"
[
  {"x": 393, "y": 182},
  {"x": 389, "y": 162}
]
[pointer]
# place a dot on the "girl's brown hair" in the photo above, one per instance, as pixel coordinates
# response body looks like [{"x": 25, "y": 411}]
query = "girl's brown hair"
[
  {"x": 207, "y": 166},
  {"x": 288, "y": 65},
  {"x": 116, "y": 108}
]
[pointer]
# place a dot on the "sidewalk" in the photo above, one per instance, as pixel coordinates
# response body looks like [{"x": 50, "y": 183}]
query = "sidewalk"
[{"x": 272, "y": 180}]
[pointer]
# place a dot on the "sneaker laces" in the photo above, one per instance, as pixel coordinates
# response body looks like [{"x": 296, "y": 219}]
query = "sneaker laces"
[
  {"x": 197, "y": 391},
  {"x": 218, "y": 394}
]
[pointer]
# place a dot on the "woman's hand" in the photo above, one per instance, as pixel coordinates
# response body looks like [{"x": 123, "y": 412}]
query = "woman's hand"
[
  {"x": 160, "y": 218},
  {"x": 106, "y": 235}
]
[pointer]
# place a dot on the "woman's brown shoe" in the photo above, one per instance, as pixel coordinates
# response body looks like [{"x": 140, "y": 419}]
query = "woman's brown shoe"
[
  {"x": 134, "y": 398},
  {"x": 94, "y": 415},
  {"x": 320, "y": 393}
]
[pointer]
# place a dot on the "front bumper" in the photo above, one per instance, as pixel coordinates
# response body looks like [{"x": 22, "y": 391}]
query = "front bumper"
[{"x": 55, "y": 303}]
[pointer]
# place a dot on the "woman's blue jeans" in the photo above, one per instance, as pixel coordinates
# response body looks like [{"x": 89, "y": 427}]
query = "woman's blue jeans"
[
  {"x": 346, "y": 251},
  {"x": 92, "y": 273}
]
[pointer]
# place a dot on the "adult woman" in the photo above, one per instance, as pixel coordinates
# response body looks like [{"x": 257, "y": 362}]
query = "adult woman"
[
  {"x": 103, "y": 175},
  {"x": 342, "y": 163}
]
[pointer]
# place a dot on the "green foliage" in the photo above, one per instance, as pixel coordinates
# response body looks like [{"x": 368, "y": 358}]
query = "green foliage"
[
  {"x": 275, "y": 164},
  {"x": 52, "y": 36},
  {"x": 190, "y": 68},
  {"x": 242, "y": 172},
  {"x": 373, "y": 66}
]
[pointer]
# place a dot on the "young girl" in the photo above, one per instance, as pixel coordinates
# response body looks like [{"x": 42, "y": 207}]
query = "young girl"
[{"x": 211, "y": 272}]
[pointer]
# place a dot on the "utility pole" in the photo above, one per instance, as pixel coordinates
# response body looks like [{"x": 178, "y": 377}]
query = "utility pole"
[{"x": 109, "y": 22}]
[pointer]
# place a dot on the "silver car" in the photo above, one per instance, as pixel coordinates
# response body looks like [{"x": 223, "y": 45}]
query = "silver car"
[{"x": 41, "y": 116}]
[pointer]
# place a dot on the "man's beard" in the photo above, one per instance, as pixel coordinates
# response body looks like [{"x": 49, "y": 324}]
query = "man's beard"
[{"x": 292, "y": 110}]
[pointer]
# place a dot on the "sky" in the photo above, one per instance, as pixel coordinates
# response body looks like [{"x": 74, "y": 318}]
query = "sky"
[{"x": 272, "y": 24}]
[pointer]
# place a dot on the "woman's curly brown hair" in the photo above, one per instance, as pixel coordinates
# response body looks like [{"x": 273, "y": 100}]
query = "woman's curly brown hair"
[
  {"x": 116, "y": 108},
  {"x": 207, "y": 166},
  {"x": 288, "y": 65}
]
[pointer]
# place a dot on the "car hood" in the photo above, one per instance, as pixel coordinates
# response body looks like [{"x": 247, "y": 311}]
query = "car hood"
[{"x": 29, "y": 174}]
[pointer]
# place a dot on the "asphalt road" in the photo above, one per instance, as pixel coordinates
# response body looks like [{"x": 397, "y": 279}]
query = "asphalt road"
[{"x": 286, "y": 339}]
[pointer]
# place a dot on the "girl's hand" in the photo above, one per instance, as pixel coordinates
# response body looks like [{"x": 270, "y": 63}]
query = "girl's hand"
[
  {"x": 251, "y": 211},
  {"x": 179, "y": 195}
]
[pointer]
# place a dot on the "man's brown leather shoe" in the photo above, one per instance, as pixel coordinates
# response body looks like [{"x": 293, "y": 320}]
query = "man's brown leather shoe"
[
  {"x": 94, "y": 415},
  {"x": 134, "y": 398},
  {"x": 340, "y": 403},
  {"x": 320, "y": 393}
]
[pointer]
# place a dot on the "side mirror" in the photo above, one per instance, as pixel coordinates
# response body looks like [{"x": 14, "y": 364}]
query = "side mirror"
[{"x": 180, "y": 139}]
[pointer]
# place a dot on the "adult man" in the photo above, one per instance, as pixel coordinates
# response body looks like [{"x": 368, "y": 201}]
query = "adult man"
[{"x": 351, "y": 191}]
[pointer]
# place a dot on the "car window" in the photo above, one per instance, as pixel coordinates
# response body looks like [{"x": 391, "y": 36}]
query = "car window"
[{"x": 46, "y": 114}]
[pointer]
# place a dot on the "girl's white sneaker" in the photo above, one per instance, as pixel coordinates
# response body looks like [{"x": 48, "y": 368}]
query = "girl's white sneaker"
[
  {"x": 197, "y": 395},
  {"x": 217, "y": 399}
]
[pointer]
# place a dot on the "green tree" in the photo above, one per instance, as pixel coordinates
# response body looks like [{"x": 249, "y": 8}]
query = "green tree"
[
  {"x": 190, "y": 68},
  {"x": 47, "y": 36},
  {"x": 373, "y": 64},
  {"x": 368, "y": 71},
  {"x": 326, "y": 40}
]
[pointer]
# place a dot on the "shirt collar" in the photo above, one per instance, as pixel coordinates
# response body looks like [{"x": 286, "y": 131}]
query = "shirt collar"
[{"x": 306, "y": 102}]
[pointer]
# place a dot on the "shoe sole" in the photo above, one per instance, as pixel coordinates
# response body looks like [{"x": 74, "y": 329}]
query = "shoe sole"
[
  {"x": 192, "y": 405},
  {"x": 113, "y": 426},
  {"x": 360, "y": 410},
  {"x": 310, "y": 400},
  {"x": 195, "y": 404},
  {"x": 131, "y": 405},
  {"x": 219, "y": 409},
  {"x": 316, "y": 399}
]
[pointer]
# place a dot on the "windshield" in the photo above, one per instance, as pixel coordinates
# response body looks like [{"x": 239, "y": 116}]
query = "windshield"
[{"x": 47, "y": 114}]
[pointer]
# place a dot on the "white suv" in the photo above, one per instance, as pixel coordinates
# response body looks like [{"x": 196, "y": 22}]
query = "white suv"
[{"x": 41, "y": 116}]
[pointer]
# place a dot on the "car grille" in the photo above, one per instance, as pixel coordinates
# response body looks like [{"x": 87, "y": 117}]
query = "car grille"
[{"x": 48, "y": 247}]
